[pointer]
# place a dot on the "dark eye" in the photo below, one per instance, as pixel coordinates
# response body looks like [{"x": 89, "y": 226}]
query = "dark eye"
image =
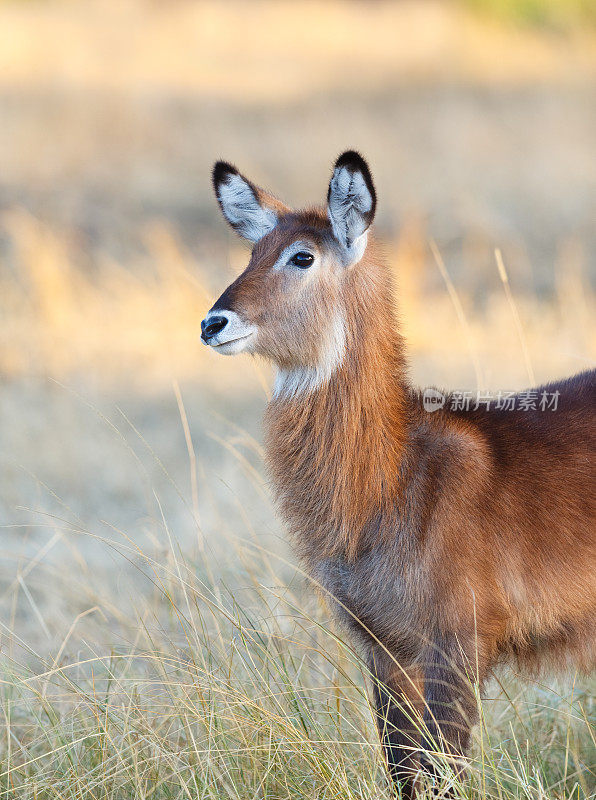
[{"x": 302, "y": 260}]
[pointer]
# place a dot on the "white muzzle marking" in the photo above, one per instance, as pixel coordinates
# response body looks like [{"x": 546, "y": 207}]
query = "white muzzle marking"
[{"x": 236, "y": 337}]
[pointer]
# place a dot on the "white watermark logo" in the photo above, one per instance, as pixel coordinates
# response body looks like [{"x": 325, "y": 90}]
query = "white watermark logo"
[
  {"x": 528, "y": 400},
  {"x": 433, "y": 400}
]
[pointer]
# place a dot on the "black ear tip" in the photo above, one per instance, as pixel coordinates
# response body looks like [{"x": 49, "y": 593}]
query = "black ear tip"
[
  {"x": 221, "y": 170},
  {"x": 353, "y": 161}
]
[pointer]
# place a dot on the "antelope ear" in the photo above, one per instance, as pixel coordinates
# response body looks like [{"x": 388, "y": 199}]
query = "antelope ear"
[
  {"x": 351, "y": 203},
  {"x": 251, "y": 211}
]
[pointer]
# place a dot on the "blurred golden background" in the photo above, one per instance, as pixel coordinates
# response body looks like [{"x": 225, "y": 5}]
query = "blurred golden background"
[{"x": 478, "y": 119}]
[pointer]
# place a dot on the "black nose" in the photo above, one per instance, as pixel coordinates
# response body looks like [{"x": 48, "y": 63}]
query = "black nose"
[{"x": 212, "y": 325}]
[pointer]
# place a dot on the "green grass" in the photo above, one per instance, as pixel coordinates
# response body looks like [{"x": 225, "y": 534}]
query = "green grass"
[
  {"x": 238, "y": 686},
  {"x": 557, "y": 15}
]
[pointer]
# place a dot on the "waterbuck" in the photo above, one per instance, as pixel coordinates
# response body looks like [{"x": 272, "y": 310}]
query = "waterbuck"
[{"x": 450, "y": 540}]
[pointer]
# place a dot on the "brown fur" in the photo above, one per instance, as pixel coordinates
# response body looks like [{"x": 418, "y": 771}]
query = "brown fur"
[{"x": 451, "y": 540}]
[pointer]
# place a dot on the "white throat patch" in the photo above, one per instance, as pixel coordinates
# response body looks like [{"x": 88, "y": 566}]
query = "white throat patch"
[{"x": 297, "y": 381}]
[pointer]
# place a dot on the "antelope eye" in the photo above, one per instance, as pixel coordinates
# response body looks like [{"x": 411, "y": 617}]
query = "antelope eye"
[{"x": 302, "y": 260}]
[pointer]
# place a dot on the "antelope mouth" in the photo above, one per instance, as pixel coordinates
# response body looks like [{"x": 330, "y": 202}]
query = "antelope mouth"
[
  {"x": 232, "y": 346},
  {"x": 231, "y": 342}
]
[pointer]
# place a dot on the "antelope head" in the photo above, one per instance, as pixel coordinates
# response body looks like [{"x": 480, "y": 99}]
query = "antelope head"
[{"x": 290, "y": 304}]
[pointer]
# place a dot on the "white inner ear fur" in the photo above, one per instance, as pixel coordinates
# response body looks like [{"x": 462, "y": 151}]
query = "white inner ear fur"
[
  {"x": 242, "y": 209},
  {"x": 349, "y": 202},
  {"x": 297, "y": 381}
]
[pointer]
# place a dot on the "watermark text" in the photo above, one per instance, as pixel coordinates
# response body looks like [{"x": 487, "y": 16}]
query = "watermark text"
[{"x": 527, "y": 400}]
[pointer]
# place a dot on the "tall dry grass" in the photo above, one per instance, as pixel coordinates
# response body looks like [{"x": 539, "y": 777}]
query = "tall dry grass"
[
  {"x": 237, "y": 686},
  {"x": 204, "y": 667}
]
